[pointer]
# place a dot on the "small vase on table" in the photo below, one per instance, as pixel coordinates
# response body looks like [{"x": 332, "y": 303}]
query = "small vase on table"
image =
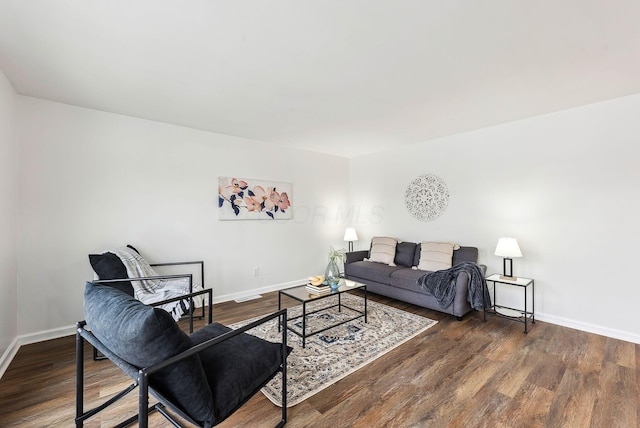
[{"x": 332, "y": 273}]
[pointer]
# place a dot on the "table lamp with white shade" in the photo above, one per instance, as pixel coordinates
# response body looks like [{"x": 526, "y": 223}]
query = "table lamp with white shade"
[
  {"x": 350, "y": 235},
  {"x": 508, "y": 249}
]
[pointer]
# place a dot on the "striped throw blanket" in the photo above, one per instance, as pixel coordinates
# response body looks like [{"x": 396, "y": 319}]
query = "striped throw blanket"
[{"x": 154, "y": 290}]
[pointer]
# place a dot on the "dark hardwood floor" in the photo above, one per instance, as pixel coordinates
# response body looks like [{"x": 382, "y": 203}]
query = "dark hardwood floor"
[{"x": 456, "y": 374}]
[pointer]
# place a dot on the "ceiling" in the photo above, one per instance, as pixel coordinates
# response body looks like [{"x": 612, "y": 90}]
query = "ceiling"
[{"x": 342, "y": 77}]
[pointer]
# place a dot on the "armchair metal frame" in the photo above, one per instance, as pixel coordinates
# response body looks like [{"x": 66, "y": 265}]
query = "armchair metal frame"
[
  {"x": 141, "y": 380},
  {"x": 199, "y": 262},
  {"x": 191, "y": 294}
]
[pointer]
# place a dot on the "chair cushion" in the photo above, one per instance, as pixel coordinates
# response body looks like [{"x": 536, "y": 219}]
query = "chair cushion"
[
  {"x": 232, "y": 369},
  {"x": 143, "y": 336},
  {"x": 404, "y": 253}
]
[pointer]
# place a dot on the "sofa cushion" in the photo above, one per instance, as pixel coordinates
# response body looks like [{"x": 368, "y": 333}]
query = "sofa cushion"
[
  {"x": 465, "y": 254},
  {"x": 436, "y": 255},
  {"x": 143, "y": 336},
  {"x": 370, "y": 271},
  {"x": 416, "y": 255},
  {"x": 232, "y": 369},
  {"x": 383, "y": 250},
  {"x": 407, "y": 279},
  {"x": 404, "y": 253}
]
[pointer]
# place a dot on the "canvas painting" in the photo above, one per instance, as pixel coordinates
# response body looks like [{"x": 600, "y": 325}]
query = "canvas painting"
[{"x": 248, "y": 199}]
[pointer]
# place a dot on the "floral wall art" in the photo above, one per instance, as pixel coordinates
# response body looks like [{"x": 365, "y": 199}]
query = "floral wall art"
[{"x": 246, "y": 199}]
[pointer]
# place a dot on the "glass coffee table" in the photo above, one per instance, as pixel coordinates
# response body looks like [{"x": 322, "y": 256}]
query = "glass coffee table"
[{"x": 304, "y": 296}]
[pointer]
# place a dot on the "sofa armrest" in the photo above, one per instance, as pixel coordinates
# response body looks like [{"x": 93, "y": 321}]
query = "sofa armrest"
[
  {"x": 484, "y": 269},
  {"x": 356, "y": 256}
]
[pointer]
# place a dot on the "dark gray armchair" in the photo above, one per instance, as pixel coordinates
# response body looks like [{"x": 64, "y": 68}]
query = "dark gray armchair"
[{"x": 203, "y": 377}]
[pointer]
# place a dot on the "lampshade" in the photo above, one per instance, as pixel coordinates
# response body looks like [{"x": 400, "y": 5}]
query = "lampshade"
[
  {"x": 508, "y": 247},
  {"x": 350, "y": 234}
]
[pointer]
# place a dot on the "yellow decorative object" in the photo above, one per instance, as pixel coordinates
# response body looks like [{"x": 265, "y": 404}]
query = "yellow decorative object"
[{"x": 316, "y": 280}]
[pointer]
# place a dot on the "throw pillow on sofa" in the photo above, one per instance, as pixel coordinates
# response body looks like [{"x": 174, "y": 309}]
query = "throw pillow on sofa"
[
  {"x": 383, "y": 250},
  {"x": 436, "y": 255},
  {"x": 405, "y": 252}
]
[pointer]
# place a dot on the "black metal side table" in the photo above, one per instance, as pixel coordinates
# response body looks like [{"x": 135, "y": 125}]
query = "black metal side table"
[{"x": 514, "y": 314}]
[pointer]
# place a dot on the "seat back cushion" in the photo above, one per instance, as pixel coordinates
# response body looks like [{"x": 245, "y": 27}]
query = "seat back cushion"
[
  {"x": 143, "y": 336},
  {"x": 404, "y": 253},
  {"x": 465, "y": 254}
]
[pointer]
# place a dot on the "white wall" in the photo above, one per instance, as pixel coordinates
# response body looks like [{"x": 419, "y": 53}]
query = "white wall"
[
  {"x": 564, "y": 184},
  {"x": 8, "y": 216},
  {"x": 90, "y": 181}
]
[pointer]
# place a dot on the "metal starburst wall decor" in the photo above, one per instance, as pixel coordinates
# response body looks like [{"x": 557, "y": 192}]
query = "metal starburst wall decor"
[{"x": 427, "y": 197}]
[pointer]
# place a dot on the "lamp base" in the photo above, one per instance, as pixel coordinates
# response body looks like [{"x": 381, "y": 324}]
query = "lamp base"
[{"x": 504, "y": 275}]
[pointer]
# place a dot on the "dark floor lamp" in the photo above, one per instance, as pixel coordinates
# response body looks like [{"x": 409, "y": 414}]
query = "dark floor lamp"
[{"x": 508, "y": 249}]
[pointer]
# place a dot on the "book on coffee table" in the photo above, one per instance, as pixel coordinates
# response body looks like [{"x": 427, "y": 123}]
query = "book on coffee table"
[{"x": 322, "y": 288}]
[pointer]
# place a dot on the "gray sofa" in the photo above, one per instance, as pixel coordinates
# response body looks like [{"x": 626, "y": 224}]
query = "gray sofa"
[{"x": 401, "y": 281}]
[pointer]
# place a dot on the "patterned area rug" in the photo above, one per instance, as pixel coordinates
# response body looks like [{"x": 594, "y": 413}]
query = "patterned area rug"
[{"x": 335, "y": 353}]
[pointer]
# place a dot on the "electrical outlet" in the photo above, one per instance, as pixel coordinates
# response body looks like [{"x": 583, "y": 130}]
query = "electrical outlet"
[{"x": 256, "y": 271}]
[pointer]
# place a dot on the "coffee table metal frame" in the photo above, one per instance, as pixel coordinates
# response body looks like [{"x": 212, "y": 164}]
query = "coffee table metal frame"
[{"x": 303, "y": 295}]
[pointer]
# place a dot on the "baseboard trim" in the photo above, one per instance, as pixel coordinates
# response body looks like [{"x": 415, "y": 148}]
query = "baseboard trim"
[
  {"x": 47, "y": 335},
  {"x": 8, "y": 356},
  {"x": 27, "y": 339},
  {"x": 590, "y": 328},
  {"x": 15, "y": 345},
  {"x": 56, "y": 333},
  {"x": 565, "y": 322},
  {"x": 245, "y": 294}
]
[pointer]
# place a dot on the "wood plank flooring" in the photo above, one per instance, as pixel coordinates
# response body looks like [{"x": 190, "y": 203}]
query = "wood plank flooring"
[{"x": 456, "y": 374}]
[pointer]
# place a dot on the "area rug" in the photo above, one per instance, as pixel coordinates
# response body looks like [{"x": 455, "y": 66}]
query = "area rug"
[{"x": 335, "y": 353}]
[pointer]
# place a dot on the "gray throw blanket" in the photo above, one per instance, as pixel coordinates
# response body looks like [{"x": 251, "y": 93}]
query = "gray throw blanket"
[
  {"x": 442, "y": 285},
  {"x": 154, "y": 290}
]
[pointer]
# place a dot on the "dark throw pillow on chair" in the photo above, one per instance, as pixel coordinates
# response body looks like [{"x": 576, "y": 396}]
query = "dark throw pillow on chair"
[
  {"x": 143, "y": 336},
  {"x": 109, "y": 266}
]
